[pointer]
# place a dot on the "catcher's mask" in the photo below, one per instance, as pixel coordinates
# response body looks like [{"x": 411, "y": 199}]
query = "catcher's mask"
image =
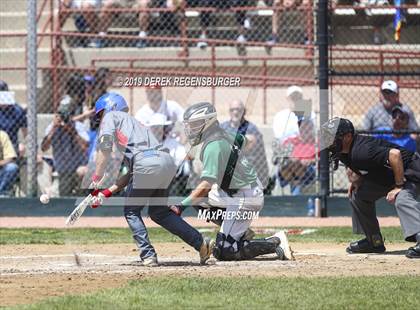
[
  {"x": 332, "y": 133},
  {"x": 198, "y": 118}
]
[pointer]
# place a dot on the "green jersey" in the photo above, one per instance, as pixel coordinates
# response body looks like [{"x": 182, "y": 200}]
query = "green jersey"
[{"x": 215, "y": 160}]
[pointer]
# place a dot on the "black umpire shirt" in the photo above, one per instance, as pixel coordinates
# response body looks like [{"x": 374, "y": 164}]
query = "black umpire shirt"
[{"x": 368, "y": 157}]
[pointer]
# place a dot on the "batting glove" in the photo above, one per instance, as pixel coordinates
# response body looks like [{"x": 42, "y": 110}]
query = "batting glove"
[{"x": 98, "y": 200}]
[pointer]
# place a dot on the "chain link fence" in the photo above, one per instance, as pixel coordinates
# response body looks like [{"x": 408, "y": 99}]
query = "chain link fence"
[
  {"x": 89, "y": 47},
  {"x": 374, "y": 65}
]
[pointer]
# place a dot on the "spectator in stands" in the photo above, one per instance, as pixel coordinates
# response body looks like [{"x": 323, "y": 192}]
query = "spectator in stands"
[
  {"x": 296, "y": 159},
  {"x": 157, "y": 104},
  {"x": 380, "y": 115},
  {"x": 12, "y": 117},
  {"x": 95, "y": 87},
  {"x": 103, "y": 81},
  {"x": 144, "y": 17},
  {"x": 88, "y": 104},
  {"x": 400, "y": 120},
  {"x": 74, "y": 90},
  {"x": 69, "y": 141},
  {"x": 89, "y": 18},
  {"x": 9, "y": 170},
  {"x": 205, "y": 17},
  {"x": 286, "y": 122},
  {"x": 254, "y": 149},
  {"x": 282, "y": 4}
]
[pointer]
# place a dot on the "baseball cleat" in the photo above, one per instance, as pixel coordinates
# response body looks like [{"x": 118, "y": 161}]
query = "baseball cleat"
[
  {"x": 364, "y": 246},
  {"x": 150, "y": 261},
  {"x": 206, "y": 250},
  {"x": 414, "y": 251},
  {"x": 284, "y": 245}
]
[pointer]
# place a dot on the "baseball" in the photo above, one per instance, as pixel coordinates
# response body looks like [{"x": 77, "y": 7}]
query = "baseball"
[{"x": 44, "y": 199}]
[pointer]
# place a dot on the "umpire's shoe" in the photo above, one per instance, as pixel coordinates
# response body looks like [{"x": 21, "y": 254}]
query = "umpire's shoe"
[
  {"x": 206, "y": 249},
  {"x": 364, "y": 246},
  {"x": 414, "y": 251}
]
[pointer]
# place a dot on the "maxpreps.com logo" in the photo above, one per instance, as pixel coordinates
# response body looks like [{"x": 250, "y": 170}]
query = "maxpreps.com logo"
[{"x": 220, "y": 214}]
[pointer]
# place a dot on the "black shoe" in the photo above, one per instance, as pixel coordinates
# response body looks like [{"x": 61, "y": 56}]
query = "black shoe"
[
  {"x": 364, "y": 246},
  {"x": 414, "y": 251}
]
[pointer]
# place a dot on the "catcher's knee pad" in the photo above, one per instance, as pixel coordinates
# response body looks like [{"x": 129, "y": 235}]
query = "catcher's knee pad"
[
  {"x": 254, "y": 248},
  {"x": 226, "y": 248}
]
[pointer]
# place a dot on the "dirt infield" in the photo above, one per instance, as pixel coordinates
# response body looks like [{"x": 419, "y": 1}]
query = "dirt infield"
[
  {"x": 110, "y": 222},
  {"x": 33, "y": 272}
]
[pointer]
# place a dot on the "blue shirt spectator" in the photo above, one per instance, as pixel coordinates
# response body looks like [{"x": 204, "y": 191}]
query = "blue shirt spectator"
[
  {"x": 405, "y": 140},
  {"x": 400, "y": 121},
  {"x": 12, "y": 116}
]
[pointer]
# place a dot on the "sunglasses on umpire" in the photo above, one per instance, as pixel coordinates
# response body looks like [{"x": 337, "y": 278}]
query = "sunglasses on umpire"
[{"x": 236, "y": 110}]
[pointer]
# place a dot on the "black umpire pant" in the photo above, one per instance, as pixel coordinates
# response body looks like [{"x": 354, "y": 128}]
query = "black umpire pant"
[{"x": 364, "y": 210}]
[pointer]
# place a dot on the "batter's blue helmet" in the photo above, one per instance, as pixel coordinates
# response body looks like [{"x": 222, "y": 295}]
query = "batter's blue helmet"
[{"x": 111, "y": 102}]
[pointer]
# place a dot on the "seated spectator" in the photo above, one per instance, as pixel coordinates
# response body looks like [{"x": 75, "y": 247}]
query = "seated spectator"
[
  {"x": 205, "y": 17},
  {"x": 296, "y": 159},
  {"x": 157, "y": 104},
  {"x": 380, "y": 115},
  {"x": 95, "y": 86},
  {"x": 399, "y": 122},
  {"x": 90, "y": 19},
  {"x": 144, "y": 17},
  {"x": 275, "y": 22},
  {"x": 9, "y": 170},
  {"x": 12, "y": 117},
  {"x": 254, "y": 149},
  {"x": 69, "y": 141},
  {"x": 286, "y": 122}
]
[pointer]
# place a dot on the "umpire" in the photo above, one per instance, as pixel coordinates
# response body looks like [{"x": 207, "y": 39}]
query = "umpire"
[{"x": 381, "y": 169}]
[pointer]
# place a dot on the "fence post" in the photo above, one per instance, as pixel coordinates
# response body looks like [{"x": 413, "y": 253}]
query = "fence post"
[
  {"x": 322, "y": 42},
  {"x": 31, "y": 82}
]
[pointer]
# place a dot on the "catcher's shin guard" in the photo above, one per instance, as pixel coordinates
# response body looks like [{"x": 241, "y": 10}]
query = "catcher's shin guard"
[
  {"x": 257, "y": 247},
  {"x": 223, "y": 252},
  {"x": 244, "y": 249}
]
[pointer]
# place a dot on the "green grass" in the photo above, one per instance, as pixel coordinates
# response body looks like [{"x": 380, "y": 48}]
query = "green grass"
[
  {"x": 249, "y": 293},
  {"x": 123, "y": 235}
]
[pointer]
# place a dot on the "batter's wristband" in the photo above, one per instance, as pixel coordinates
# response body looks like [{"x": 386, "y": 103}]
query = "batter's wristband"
[
  {"x": 107, "y": 193},
  {"x": 96, "y": 178},
  {"x": 186, "y": 202}
]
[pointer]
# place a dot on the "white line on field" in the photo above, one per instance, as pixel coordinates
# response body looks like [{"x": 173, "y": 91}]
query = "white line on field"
[{"x": 59, "y": 255}]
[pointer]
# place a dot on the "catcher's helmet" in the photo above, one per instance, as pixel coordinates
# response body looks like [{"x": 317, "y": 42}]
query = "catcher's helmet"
[
  {"x": 332, "y": 133},
  {"x": 198, "y": 118}
]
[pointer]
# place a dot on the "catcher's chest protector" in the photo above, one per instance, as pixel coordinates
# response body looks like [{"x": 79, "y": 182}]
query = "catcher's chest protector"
[{"x": 235, "y": 152}]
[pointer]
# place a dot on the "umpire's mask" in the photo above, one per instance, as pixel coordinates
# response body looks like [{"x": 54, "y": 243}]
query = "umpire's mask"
[{"x": 332, "y": 134}]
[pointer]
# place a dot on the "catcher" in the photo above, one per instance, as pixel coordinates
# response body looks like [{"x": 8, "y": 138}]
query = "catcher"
[
  {"x": 148, "y": 178},
  {"x": 227, "y": 181}
]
